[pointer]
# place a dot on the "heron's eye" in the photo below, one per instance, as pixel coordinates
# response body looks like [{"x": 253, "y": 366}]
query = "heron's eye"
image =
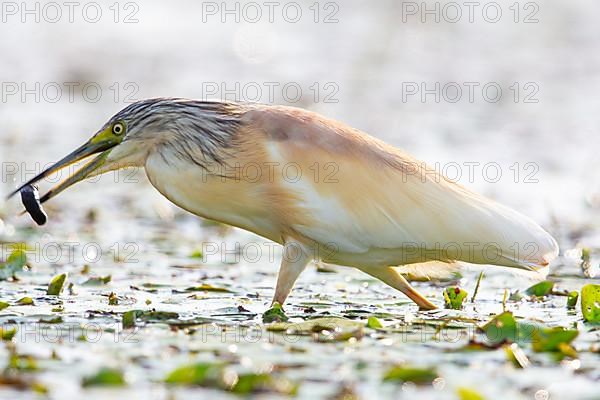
[{"x": 118, "y": 129}]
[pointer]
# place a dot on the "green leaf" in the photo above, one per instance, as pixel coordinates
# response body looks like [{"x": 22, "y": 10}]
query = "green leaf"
[
  {"x": 503, "y": 328},
  {"x": 468, "y": 394},
  {"x": 540, "y": 289},
  {"x": 419, "y": 376},
  {"x": 374, "y": 323},
  {"x": 3, "y": 305},
  {"x": 56, "y": 285},
  {"x": 454, "y": 297},
  {"x": 200, "y": 374},
  {"x": 15, "y": 263},
  {"x": 25, "y": 301},
  {"x": 22, "y": 363},
  {"x": 275, "y": 314},
  {"x": 51, "y": 320},
  {"x": 207, "y": 288},
  {"x": 258, "y": 383},
  {"x": 156, "y": 316},
  {"x": 7, "y": 334},
  {"x": 572, "y": 298},
  {"x": 129, "y": 319},
  {"x": 316, "y": 325},
  {"x": 329, "y": 329},
  {"x": 105, "y": 377},
  {"x": 97, "y": 281},
  {"x": 586, "y": 254},
  {"x": 590, "y": 302},
  {"x": 113, "y": 299},
  {"x": 517, "y": 356},
  {"x": 196, "y": 254},
  {"x": 552, "y": 339}
]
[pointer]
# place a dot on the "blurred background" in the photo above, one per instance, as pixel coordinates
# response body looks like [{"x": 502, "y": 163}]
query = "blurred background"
[
  {"x": 499, "y": 96},
  {"x": 478, "y": 92}
]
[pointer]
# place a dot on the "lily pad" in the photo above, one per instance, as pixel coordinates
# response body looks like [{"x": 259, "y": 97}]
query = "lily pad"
[
  {"x": 503, "y": 328},
  {"x": 15, "y": 263},
  {"x": 25, "y": 301},
  {"x": 374, "y": 323},
  {"x": 257, "y": 383},
  {"x": 7, "y": 334},
  {"x": 332, "y": 324},
  {"x": 129, "y": 319},
  {"x": 207, "y": 288},
  {"x": 199, "y": 374},
  {"x": 590, "y": 303},
  {"x": 552, "y": 339},
  {"x": 97, "y": 281},
  {"x": 105, "y": 377},
  {"x": 468, "y": 394},
  {"x": 56, "y": 285},
  {"x": 540, "y": 289},
  {"x": 418, "y": 376}
]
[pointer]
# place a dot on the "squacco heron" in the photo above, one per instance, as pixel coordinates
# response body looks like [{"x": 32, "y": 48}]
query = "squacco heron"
[{"x": 324, "y": 190}]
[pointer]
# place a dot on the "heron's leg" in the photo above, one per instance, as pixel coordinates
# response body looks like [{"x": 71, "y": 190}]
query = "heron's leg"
[
  {"x": 393, "y": 278},
  {"x": 295, "y": 258}
]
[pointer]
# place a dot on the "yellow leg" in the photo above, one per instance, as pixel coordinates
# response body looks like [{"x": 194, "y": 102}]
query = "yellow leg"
[
  {"x": 393, "y": 278},
  {"x": 295, "y": 259}
]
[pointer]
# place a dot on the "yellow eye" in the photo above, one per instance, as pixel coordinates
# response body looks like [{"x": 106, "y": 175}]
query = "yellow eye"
[{"x": 118, "y": 129}]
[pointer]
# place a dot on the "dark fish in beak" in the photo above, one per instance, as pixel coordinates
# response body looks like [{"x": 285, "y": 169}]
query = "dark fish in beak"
[{"x": 31, "y": 200}]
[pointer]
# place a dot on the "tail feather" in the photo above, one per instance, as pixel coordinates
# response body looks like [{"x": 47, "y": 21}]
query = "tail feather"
[{"x": 431, "y": 271}]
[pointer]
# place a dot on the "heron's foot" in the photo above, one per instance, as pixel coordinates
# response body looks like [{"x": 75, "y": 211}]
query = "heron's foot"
[{"x": 275, "y": 314}]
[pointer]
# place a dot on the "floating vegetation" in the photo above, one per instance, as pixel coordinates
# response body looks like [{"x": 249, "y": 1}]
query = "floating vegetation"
[
  {"x": 572, "y": 299},
  {"x": 216, "y": 375},
  {"x": 105, "y": 377},
  {"x": 56, "y": 285},
  {"x": 540, "y": 289},
  {"x": 374, "y": 323},
  {"x": 454, "y": 297},
  {"x": 211, "y": 335},
  {"x": 15, "y": 263},
  {"x": 590, "y": 303},
  {"x": 418, "y": 376}
]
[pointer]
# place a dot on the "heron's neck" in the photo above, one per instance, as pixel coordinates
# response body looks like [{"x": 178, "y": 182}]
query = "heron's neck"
[{"x": 200, "y": 132}]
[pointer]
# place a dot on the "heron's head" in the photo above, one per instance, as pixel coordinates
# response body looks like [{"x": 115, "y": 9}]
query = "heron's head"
[{"x": 196, "y": 130}]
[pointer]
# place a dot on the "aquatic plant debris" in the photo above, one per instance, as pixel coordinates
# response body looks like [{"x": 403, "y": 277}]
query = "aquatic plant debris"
[
  {"x": 217, "y": 375},
  {"x": 572, "y": 299},
  {"x": 590, "y": 303},
  {"x": 540, "y": 289},
  {"x": 374, "y": 323},
  {"x": 416, "y": 375},
  {"x": 56, "y": 285},
  {"x": 15, "y": 263},
  {"x": 504, "y": 328},
  {"x": 454, "y": 297},
  {"x": 105, "y": 377},
  {"x": 468, "y": 394},
  {"x": 479, "y": 279},
  {"x": 331, "y": 326}
]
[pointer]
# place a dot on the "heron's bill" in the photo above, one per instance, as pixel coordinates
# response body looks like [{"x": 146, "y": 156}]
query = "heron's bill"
[{"x": 88, "y": 149}]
